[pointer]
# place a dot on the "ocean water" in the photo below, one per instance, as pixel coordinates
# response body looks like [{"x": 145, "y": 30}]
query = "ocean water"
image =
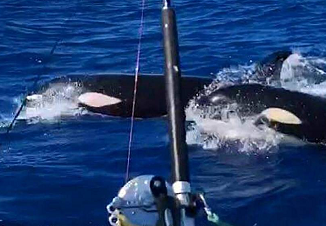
[{"x": 65, "y": 171}]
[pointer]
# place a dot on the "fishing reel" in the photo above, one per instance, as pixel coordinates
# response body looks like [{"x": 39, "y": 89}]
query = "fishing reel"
[
  {"x": 146, "y": 200},
  {"x": 149, "y": 200}
]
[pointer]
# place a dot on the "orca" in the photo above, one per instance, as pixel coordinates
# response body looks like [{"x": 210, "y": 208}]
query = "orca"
[
  {"x": 112, "y": 94},
  {"x": 289, "y": 112}
]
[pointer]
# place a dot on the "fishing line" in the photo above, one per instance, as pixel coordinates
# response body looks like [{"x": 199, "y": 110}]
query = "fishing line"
[
  {"x": 137, "y": 68},
  {"x": 33, "y": 87}
]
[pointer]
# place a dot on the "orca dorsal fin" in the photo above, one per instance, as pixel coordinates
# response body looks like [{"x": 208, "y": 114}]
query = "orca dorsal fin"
[{"x": 270, "y": 67}]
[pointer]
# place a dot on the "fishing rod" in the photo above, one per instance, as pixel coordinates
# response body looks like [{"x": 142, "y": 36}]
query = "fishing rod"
[
  {"x": 178, "y": 147},
  {"x": 150, "y": 200}
]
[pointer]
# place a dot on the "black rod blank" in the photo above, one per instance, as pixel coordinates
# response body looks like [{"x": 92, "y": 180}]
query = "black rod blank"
[{"x": 176, "y": 113}]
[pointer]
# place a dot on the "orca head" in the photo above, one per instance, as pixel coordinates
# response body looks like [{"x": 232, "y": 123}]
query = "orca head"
[
  {"x": 269, "y": 69},
  {"x": 211, "y": 100}
]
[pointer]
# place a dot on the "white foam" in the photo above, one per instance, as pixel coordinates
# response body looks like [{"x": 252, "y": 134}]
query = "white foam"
[
  {"x": 291, "y": 66},
  {"x": 239, "y": 132},
  {"x": 56, "y": 101},
  {"x": 304, "y": 74},
  {"x": 230, "y": 129}
]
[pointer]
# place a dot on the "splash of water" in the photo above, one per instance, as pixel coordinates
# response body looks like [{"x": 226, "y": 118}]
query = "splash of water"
[
  {"x": 229, "y": 131},
  {"x": 56, "y": 101},
  {"x": 304, "y": 74}
]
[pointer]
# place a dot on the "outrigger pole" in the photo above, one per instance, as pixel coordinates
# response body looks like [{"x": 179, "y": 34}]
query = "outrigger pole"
[{"x": 179, "y": 152}]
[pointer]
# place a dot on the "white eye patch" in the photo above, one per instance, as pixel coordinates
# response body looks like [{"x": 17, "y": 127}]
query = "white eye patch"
[{"x": 93, "y": 99}]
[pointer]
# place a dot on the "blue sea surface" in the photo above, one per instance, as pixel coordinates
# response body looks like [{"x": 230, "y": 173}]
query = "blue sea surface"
[{"x": 65, "y": 172}]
